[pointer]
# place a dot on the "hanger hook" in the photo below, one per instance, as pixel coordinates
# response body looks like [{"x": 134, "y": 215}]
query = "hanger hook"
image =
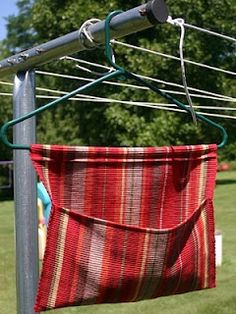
[{"x": 108, "y": 50}]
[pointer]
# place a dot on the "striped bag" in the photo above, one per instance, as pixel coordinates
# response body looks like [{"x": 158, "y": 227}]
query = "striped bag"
[{"x": 126, "y": 224}]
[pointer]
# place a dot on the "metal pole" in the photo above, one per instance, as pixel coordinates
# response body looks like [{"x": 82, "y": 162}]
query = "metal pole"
[
  {"x": 26, "y": 226},
  {"x": 129, "y": 22}
]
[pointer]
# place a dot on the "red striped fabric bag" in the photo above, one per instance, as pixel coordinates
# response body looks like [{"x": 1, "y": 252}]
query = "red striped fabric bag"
[{"x": 127, "y": 224}]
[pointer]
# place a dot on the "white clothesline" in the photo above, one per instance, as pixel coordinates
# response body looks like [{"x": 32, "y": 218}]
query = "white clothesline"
[
  {"x": 214, "y": 95},
  {"x": 209, "y": 32},
  {"x": 142, "y": 76},
  {"x": 207, "y": 95},
  {"x": 103, "y": 99},
  {"x": 172, "y": 57},
  {"x": 167, "y": 107},
  {"x": 133, "y": 102},
  {"x": 217, "y": 97}
]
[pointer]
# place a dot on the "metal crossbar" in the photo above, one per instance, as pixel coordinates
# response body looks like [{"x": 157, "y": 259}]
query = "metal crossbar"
[{"x": 126, "y": 23}]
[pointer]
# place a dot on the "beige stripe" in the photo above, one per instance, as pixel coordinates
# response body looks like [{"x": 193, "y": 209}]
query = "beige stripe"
[
  {"x": 202, "y": 187},
  {"x": 45, "y": 169},
  {"x": 158, "y": 265},
  {"x": 137, "y": 184},
  {"x": 58, "y": 261},
  {"x": 205, "y": 249},
  {"x": 194, "y": 231},
  {"x": 123, "y": 262},
  {"x": 94, "y": 265},
  {"x": 152, "y": 277},
  {"x": 142, "y": 270},
  {"x": 104, "y": 185},
  {"x": 185, "y": 206},
  {"x": 78, "y": 180},
  {"x": 180, "y": 273},
  {"x": 164, "y": 190},
  {"x": 202, "y": 182},
  {"x": 197, "y": 254},
  {"x": 122, "y": 201},
  {"x": 129, "y": 192}
]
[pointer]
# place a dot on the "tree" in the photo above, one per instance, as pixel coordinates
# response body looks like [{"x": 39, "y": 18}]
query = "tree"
[
  {"x": 42, "y": 20},
  {"x": 5, "y": 109}
]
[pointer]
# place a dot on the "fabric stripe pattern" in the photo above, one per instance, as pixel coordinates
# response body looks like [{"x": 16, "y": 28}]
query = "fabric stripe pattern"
[{"x": 126, "y": 224}]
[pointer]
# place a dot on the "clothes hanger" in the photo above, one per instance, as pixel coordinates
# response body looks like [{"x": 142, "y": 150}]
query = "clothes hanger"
[{"x": 119, "y": 72}]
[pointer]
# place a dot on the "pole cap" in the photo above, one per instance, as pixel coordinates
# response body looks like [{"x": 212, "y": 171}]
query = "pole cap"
[{"x": 157, "y": 11}]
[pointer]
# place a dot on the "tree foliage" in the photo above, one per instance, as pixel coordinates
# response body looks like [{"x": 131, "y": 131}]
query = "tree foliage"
[{"x": 86, "y": 123}]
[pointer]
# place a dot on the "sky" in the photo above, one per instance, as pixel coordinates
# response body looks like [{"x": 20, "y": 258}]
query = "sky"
[{"x": 7, "y": 7}]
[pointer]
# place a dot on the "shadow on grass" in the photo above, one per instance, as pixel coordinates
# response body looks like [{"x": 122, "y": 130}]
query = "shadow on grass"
[
  {"x": 225, "y": 181},
  {"x": 6, "y": 195}
]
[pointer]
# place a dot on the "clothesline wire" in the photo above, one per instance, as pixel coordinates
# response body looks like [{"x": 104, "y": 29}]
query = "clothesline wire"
[
  {"x": 166, "y": 107},
  {"x": 209, "y": 32},
  {"x": 218, "y": 97},
  {"x": 6, "y": 83},
  {"x": 142, "y": 76},
  {"x": 44, "y": 89},
  {"x": 172, "y": 57},
  {"x": 109, "y": 99},
  {"x": 91, "y": 97},
  {"x": 134, "y": 102},
  {"x": 174, "y": 92},
  {"x": 213, "y": 96},
  {"x": 146, "y": 105},
  {"x": 222, "y": 98}
]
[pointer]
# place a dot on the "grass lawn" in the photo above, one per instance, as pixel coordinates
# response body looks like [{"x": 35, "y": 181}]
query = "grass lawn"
[{"x": 221, "y": 300}]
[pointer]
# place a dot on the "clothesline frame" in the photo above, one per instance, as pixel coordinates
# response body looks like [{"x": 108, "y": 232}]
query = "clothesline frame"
[
  {"x": 119, "y": 71},
  {"x": 22, "y": 65}
]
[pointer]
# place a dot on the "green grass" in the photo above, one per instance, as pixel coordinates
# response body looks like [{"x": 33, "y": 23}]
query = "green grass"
[
  {"x": 221, "y": 300},
  {"x": 7, "y": 259}
]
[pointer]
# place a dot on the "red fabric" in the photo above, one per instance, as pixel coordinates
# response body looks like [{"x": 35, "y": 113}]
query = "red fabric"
[{"x": 127, "y": 223}]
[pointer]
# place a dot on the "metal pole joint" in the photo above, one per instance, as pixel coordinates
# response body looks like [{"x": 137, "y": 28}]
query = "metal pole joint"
[{"x": 126, "y": 23}]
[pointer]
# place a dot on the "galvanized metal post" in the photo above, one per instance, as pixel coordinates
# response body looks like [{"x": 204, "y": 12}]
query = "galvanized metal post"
[{"x": 25, "y": 196}]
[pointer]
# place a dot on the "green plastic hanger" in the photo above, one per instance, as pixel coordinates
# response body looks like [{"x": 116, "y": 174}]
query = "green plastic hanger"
[{"x": 119, "y": 72}]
